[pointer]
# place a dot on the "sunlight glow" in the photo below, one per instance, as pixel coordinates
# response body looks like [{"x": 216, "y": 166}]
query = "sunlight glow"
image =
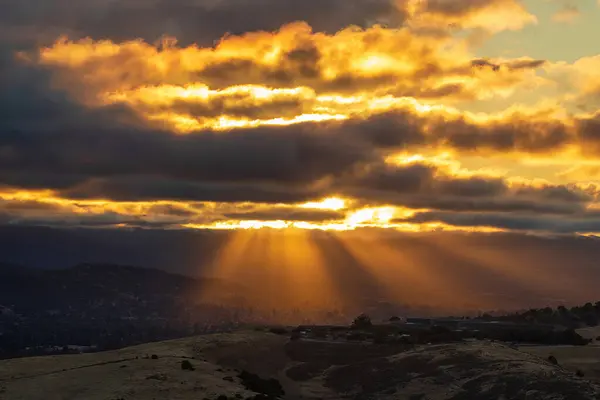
[
  {"x": 330, "y": 203},
  {"x": 358, "y": 73},
  {"x": 381, "y": 215}
]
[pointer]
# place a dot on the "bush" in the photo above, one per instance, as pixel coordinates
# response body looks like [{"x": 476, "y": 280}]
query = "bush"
[
  {"x": 552, "y": 360},
  {"x": 363, "y": 321},
  {"x": 269, "y": 387},
  {"x": 380, "y": 338},
  {"x": 358, "y": 337},
  {"x": 570, "y": 336},
  {"x": 186, "y": 365},
  {"x": 278, "y": 330},
  {"x": 154, "y": 357},
  {"x": 259, "y": 397},
  {"x": 580, "y": 373},
  {"x": 320, "y": 333},
  {"x": 158, "y": 377}
]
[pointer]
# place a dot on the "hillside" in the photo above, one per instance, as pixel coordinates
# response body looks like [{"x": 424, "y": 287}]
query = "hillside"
[{"x": 225, "y": 364}]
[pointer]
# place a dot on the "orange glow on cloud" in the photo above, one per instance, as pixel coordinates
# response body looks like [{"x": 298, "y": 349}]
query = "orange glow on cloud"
[
  {"x": 330, "y": 203},
  {"x": 295, "y": 76},
  {"x": 286, "y": 77}
]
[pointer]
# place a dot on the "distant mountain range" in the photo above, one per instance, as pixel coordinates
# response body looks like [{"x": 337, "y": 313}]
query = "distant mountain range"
[
  {"x": 105, "y": 306},
  {"x": 81, "y": 286}
]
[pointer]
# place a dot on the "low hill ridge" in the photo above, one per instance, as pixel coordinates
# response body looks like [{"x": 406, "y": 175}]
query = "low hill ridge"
[{"x": 259, "y": 365}]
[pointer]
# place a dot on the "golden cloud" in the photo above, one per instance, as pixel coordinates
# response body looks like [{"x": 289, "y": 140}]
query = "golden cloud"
[
  {"x": 382, "y": 89},
  {"x": 490, "y": 15},
  {"x": 407, "y": 193},
  {"x": 289, "y": 76}
]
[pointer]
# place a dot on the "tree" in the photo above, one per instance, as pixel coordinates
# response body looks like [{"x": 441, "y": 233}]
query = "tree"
[
  {"x": 562, "y": 310},
  {"x": 363, "y": 321},
  {"x": 187, "y": 365}
]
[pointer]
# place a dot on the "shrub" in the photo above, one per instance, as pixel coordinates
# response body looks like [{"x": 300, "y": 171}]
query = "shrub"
[
  {"x": 278, "y": 330},
  {"x": 380, "y": 338},
  {"x": 580, "y": 373},
  {"x": 187, "y": 365},
  {"x": 259, "y": 397},
  {"x": 358, "y": 337},
  {"x": 158, "y": 377},
  {"x": 363, "y": 321},
  {"x": 570, "y": 336},
  {"x": 154, "y": 357},
  {"x": 269, "y": 387},
  {"x": 320, "y": 333}
]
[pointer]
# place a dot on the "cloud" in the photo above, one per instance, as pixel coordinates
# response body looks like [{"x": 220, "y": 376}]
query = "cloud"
[
  {"x": 203, "y": 21},
  {"x": 192, "y": 21},
  {"x": 85, "y": 153},
  {"x": 419, "y": 185},
  {"x": 513, "y": 222},
  {"x": 286, "y": 76},
  {"x": 568, "y": 14},
  {"x": 116, "y": 131},
  {"x": 490, "y": 15},
  {"x": 581, "y": 173},
  {"x": 287, "y": 214},
  {"x": 578, "y": 82}
]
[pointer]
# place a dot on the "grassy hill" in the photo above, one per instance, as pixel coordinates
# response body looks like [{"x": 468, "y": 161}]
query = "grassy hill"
[{"x": 243, "y": 364}]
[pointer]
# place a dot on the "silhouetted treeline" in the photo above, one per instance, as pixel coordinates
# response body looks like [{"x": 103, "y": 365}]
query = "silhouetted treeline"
[{"x": 574, "y": 317}]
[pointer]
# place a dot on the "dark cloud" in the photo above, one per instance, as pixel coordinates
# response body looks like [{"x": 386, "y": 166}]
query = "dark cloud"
[
  {"x": 288, "y": 73},
  {"x": 511, "y": 65},
  {"x": 175, "y": 210},
  {"x": 48, "y": 140},
  {"x": 237, "y": 107},
  {"x": 516, "y": 133},
  {"x": 460, "y": 8},
  {"x": 27, "y": 205},
  {"x": 191, "y": 21},
  {"x": 144, "y": 187},
  {"x": 589, "y": 134},
  {"x": 515, "y": 222},
  {"x": 301, "y": 155},
  {"x": 420, "y": 185},
  {"x": 525, "y": 64},
  {"x": 68, "y": 220}
]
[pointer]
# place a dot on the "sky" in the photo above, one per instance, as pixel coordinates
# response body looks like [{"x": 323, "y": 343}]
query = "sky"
[
  {"x": 479, "y": 116},
  {"x": 290, "y": 125}
]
